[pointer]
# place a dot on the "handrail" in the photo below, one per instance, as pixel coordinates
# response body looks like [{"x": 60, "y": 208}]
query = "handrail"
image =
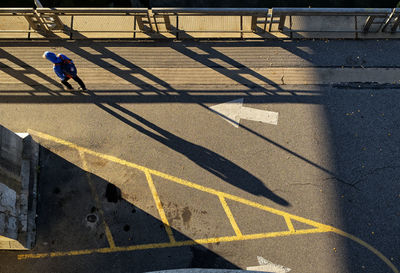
[
  {"x": 91, "y": 11},
  {"x": 49, "y": 21},
  {"x": 331, "y": 11},
  {"x": 212, "y": 11},
  {"x": 16, "y": 10}
]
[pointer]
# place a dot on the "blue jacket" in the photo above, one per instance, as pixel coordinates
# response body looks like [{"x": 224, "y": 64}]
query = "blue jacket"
[{"x": 63, "y": 66}]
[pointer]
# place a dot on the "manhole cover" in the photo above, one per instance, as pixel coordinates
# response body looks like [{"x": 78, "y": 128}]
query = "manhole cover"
[{"x": 91, "y": 218}]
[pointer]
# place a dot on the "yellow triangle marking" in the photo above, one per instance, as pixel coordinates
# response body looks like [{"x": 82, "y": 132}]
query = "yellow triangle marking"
[
  {"x": 289, "y": 223},
  {"x": 319, "y": 228}
]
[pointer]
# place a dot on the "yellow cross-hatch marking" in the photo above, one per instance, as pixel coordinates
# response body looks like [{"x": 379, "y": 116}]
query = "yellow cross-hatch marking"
[
  {"x": 160, "y": 207},
  {"x": 96, "y": 198},
  {"x": 316, "y": 227}
]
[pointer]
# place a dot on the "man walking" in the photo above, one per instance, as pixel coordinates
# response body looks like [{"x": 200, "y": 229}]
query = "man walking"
[{"x": 65, "y": 69}]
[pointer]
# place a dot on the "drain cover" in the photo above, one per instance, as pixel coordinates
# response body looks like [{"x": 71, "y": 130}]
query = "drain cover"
[{"x": 91, "y": 218}]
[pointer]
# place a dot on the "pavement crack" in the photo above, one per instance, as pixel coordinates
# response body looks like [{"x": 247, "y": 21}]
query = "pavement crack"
[
  {"x": 341, "y": 181},
  {"x": 304, "y": 184},
  {"x": 373, "y": 171}
]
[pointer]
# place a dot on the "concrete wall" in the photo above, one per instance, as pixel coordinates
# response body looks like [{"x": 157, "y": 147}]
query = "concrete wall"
[{"x": 18, "y": 162}]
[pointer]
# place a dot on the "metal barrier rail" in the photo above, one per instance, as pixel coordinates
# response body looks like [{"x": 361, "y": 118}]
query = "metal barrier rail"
[
  {"x": 47, "y": 22},
  {"x": 212, "y": 11},
  {"x": 254, "y": 13},
  {"x": 13, "y": 12},
  {"x": 372, "y": 14},
  {"x": 141, "y": 18},
  {"x": 91, "y": 11}
]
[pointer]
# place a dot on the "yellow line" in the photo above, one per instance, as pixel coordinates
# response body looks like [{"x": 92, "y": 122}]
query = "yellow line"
[
  {"x": 87, "y": 151},
  {"x": 368, "y": 246},
  {"x": 160, "y": 207},
  {"x": 96, "y": 198},
  {"x": 230, "y": 216},
  {"x": 235, "y": 198},
  {"x": 320, "y": 227},
  {"x": 169, "y": 244},
  {"x": 289, "y": 224}
]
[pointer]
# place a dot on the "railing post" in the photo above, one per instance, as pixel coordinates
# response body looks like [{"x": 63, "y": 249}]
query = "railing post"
[
  {"x": 368, "y": 23},
  {"x": 266, "y": 20},
  {"x": 177, "y": 27},
  {"x": 272, "y": 19},
  {"x": 241, "y": 27},
  {"x": 254, "y": 23},
  {"x": 388, "y": 20},
  {"x": 167, "y": 22},
  {"x": 71, "y": 29},
  {"x": 149, "y": 19},
  {"x": 281, "y": 22},
  {"x": 395, "y": 24}
]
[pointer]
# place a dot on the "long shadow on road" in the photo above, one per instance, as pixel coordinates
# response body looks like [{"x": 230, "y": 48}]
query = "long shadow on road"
[{"x": 210, "y": 161}]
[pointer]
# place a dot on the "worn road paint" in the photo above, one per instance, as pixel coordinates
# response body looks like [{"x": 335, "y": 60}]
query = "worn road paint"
[
  {"x": 97, "y": 200},
  {"x": 160, "y": 207},
  {"x": 234, "y": 110},
  {"x": 230, "y": 216},
  {"x": 317, "y": 227},
  {"x": 289, "y": 223},
  {"x": 267, "y": 266},
  {"x": 204, "y": 241}
]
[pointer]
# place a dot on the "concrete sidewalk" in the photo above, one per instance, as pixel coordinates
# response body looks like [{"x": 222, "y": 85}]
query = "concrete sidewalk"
[{"x": 166, "y": 66}]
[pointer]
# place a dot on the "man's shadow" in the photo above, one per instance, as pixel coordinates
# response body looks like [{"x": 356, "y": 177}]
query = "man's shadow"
[{"x": 203, "y": 157}]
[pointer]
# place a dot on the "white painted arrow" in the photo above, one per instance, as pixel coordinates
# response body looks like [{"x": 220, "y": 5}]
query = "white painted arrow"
[
  {"x": 267, "y": 266},
  {"x": 234, "y": 110}
]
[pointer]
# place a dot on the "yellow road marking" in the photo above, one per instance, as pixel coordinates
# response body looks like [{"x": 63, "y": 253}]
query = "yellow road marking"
[
  {"x": 289, "y": 223},
  {"x": 319, "y": 228},
  {"x": 170, "y": 244},
  {"x": 368, "y": 246},
  {"x": 230, "y": 216},
  {"x": 96, "y": 198},
  {"x": 160, "y": 207}
]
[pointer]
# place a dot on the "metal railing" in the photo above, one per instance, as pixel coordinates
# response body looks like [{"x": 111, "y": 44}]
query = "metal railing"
[
  {"x": 141, "y": 19},
  {"x": 372, "y": 14},
  {"x": 254, "y": 13},
  {"x": 13, "y": 13},
  {"x": 157, "y": 22}
]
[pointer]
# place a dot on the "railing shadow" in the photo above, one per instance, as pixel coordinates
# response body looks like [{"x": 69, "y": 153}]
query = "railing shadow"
[
  {"x": 23, "y": 75},
  {"x": 163, "y": 94}
]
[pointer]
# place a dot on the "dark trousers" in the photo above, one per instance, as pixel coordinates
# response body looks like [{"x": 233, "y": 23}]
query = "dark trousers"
[{"x": 77, "y": 79}]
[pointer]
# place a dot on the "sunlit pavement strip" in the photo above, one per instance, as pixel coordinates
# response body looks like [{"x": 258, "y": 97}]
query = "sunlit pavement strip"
[{"x": 316, "y": 227}]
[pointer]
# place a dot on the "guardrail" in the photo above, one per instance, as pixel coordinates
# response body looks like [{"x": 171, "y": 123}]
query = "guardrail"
[
  {"x": 372, "y": 14},
  {"x": 141, "y": 19},
  {"x": 138, "y": 23}
]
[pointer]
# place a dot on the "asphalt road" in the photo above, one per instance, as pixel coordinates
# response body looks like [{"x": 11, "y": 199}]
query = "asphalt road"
[{"x": 140, "y": 175}]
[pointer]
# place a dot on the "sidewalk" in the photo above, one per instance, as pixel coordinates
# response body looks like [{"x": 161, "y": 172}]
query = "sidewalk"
[{"x": 127, "y": 65}]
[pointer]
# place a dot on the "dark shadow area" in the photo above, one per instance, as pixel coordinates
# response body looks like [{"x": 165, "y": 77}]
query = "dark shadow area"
[
  {"x": 366, "y": 150},
  {"x": 72, "y": 207}
]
